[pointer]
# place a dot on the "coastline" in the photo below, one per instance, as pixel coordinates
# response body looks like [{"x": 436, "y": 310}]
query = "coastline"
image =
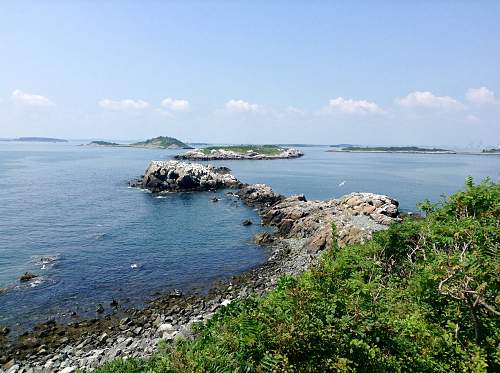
[
  {"x": 295, "y": 244},
  {"x": 410, "y": 152}
]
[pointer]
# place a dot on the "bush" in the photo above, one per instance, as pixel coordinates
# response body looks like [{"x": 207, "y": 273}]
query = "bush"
[{"x": 422, "y": 296}]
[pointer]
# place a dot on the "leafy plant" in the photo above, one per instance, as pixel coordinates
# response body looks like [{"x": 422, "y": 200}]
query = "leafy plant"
[{"x": 422, "y": 296}]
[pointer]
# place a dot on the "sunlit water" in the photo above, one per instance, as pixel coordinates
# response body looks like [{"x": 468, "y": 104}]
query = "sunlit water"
[{"x": 67, "y": 214}]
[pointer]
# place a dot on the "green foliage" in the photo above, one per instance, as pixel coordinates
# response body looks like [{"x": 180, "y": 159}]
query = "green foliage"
[
  {"x": 162, "y": 142},
  {"x": 422, "y": 296}
]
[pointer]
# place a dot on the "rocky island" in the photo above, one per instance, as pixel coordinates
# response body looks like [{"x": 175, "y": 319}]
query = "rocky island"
[
  {"x": 174, "y": 176},
  {"x": 236, "y": 152},
  {"x": 160, "y": 142},
  {"x": 491, "y": 151},
  {"x": 392, "y": 149},
  {"x": 302, "y": 230}
]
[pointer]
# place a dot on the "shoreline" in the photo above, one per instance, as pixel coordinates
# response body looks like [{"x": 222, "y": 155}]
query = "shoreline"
[
  {"x": 410, "y": 152},
  {"x": 301, "y": 233}
]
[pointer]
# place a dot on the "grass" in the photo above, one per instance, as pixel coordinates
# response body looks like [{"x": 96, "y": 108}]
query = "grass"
[{"x": 422, "y": 296}]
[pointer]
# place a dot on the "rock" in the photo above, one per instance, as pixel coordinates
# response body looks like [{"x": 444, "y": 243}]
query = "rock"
[
  {"x": 28, "y": 276},
  {"x": 215, "y": 199},
  {"x": 13, "y": 369},
  {"x": 9, "y": 364},
  {"x": 4, "y": 330},
  {"x": 246, "y": 222},
  {"x": 176, "y": 293},
  {"x": 68, "y": 370},
  {"x": 258, "y": 195},
  {"x": 102, "y": 337},
  {"x": 99, "y": 308},
  {"x": 263, "y": 238},
  {"x": 114, "y": 303},
  {"x": 162, "y": 176}
]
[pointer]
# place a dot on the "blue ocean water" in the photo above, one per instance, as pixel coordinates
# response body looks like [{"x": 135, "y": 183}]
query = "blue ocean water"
[{"x": 107, "y": 241}]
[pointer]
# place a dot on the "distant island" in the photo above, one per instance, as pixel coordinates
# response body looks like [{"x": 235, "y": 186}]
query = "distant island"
[
  {"x": 35, "y": 139},
  {"x": 235, "y": 152},
  {"x": 491, "y": 151},
  {"x": 160, "y": 142},
  {"x": 104, "y": 143},
  {"x": 392, "y": 149}
]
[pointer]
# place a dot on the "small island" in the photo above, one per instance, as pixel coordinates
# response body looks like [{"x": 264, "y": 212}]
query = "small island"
[
  {"x": 160, "y": 142},
  {"x": 392, "y": 149},
  {"x": 35, "y": 139},
  {"x": 491, "y": 151},
  {"x": 104, "y": 143},
  {"x": 236, "y": 152}
]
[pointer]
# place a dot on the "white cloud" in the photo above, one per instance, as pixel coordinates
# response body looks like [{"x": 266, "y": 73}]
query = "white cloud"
[
  {"x": 350, "y": 106},
  {"x": 175, "y": 105},
  {"x": 294, "y": 110},
  {"x": 30, "y": 99},
  {"x": 242, "y": 106},
  {"x": 481, "y": 95},
  {"x": 472, "y": 118},
  {"x": 127, "y": 104},
  {"x": 428, "y": 100}
]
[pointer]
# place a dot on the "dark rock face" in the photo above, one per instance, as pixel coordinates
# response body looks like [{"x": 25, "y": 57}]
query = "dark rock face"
[
  {"x": 258, "y": 195},
  {"x": 174, "y": 176},
  {"x": 263, "y": 238},
  {"x": 246, "y": 222},
  {"x": 28, "y": 276}
]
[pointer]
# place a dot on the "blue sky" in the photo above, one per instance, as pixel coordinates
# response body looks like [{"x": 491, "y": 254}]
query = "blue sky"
[{"x": 386, "y": 72}]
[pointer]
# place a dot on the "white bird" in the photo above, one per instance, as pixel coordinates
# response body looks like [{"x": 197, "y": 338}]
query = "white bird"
[
  {"x": 133, "y": 265},
  {"x": 342, "y": 183}
]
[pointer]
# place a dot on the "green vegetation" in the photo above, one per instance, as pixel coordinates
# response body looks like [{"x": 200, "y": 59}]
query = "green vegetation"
[
  {"x": 392, "y": 149},
  {"x": 243, "y": 149},
  {"x": 492, "y": 150},
  {"x": 104, "y": 143},
  {"x": 422, "y": 296},
  {"x": 163, "y": 142}
]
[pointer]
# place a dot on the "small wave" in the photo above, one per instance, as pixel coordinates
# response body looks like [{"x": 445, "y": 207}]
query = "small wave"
[{"x": 45, "y": 261}]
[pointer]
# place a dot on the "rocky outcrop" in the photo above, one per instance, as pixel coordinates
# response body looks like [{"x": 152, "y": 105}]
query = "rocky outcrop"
[
  {"x": 258, "y": 195},
  {"x": 28, "y": 276},
  {"x": 356, "y": 216},
  {"x": 226, "y": 154},
  {"x": 174, "y": 176}
]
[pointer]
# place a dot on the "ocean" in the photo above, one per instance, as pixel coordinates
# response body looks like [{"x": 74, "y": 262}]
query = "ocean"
[{"x": 68, "y": 215}]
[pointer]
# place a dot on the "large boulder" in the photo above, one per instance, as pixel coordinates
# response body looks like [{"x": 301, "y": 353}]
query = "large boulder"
[
  {"x": 258, "y": 195},
  {"x": 356, "y": 216},
  {"x": 172, "y": 176}
]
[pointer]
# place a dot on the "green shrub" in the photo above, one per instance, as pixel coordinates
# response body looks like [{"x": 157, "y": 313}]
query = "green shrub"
[{"x": 422, "y": 296}]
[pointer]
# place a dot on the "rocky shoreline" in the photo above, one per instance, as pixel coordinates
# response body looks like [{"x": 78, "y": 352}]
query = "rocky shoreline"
[
  {"x": 223, "y": 154},
  {"x": 302, "y": 230}
]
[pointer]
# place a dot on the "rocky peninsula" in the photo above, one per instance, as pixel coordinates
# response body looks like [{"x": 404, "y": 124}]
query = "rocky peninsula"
[
  {"x": 241, "y": 152},
  {"x": 302, "y": 231}
]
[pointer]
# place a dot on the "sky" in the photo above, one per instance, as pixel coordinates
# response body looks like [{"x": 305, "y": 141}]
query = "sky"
[{"x": 320, "y": 72}]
